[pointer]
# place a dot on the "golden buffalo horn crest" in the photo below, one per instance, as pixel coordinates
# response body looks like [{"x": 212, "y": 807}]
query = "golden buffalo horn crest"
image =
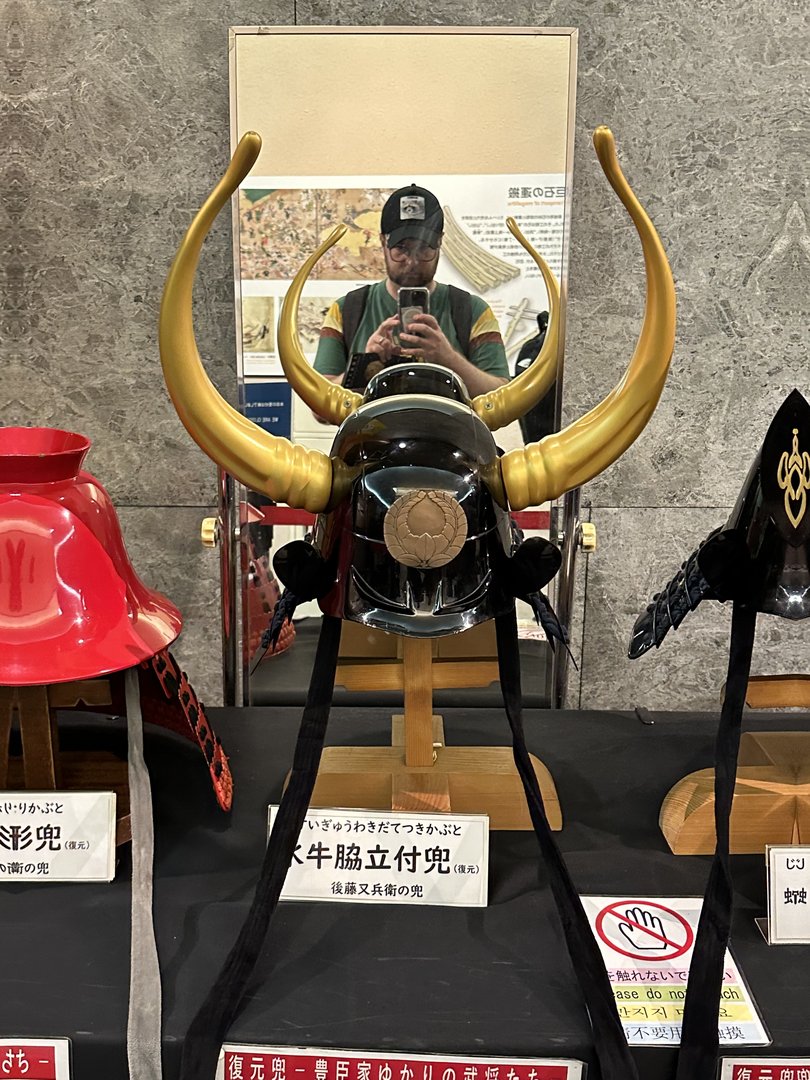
[
  {"x": 514, "y": 399},
  {"x": 264, "y": 462},
  {"x": 568, "y": 458},
  {"x": 327, "y": 399},
  {"x": 309, "y": 479}
]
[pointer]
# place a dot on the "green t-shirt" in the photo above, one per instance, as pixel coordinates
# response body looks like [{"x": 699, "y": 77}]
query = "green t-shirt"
[{"x": 486, "y": 345}]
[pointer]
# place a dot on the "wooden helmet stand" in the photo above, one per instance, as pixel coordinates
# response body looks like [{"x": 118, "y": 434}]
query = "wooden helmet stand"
[
  {"x": 42, "y": 766},
  {"x": 772, "y": 793},
  {"x": 418, "y": 772}
]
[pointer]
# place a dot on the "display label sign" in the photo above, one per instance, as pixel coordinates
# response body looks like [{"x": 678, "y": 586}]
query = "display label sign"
[
  {"x": 35, "y": 1059},
  {"x": 765, "y": 1069},
  {"x": 388, "y": 857},
  {"x": 647, "y": 948},
  {"x": 788, "y": 894},
  {"x": 299, "y": 1063},
  {"x": 57, "y": 836}
]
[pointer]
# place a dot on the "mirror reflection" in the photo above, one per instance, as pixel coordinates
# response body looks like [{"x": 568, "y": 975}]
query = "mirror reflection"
[{"x": 426, "y": 268}]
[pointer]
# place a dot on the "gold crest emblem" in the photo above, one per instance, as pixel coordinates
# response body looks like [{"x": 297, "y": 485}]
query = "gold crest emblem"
[
  {"x": 793, "y": 477},
  {"x": 425, "y": 529}
]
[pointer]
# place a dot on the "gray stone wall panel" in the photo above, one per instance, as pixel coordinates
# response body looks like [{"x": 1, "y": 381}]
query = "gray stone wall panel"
[{"x": 117, "y": 120}]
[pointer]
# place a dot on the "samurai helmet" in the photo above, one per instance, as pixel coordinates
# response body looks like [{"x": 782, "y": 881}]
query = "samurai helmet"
[
  {"x": 762, "y": 553},
  {"x": 760, "y": 561},
  {"x": 414, "y": 535},
  {"x": 73, "y": 608},
  {"x": 71, "y": 604}
]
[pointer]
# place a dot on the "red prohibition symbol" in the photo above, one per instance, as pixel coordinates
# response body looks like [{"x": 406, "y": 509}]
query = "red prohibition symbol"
[{"x": 646, "y": 928}]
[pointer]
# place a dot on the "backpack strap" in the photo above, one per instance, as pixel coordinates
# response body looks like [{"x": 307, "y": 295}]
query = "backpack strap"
[
  {"x": 354, "y": 304},
  {"x": 461, "y": 314}
]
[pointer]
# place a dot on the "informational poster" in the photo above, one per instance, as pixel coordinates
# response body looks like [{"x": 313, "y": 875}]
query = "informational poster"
[
  {"x": 647, "y": 947},
  {"x": 283, "y": 219},
  {"x": 300, "y": 1063},
  {"x": 511, "y": 93},
  {"x": 390, "y": 857}
]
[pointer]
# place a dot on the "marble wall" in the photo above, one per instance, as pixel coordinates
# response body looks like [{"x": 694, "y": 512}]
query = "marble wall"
[{"x": 115, "y": 114}]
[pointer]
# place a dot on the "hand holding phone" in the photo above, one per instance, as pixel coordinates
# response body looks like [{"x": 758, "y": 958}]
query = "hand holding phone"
[{"x": 382, "y": 340}]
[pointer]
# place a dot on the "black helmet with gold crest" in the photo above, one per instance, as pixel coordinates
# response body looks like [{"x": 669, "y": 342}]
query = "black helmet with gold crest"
[
  {"x": 760, "y": 562},
  {"x": 413, "y": 535},
  {"x": 762, "y": 554}
]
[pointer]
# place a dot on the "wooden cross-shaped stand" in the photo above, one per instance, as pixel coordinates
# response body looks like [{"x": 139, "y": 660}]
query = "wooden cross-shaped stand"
[
  {"x": 42, "y": 766},
  {"x": 418, "y": 772},
  {"x": 772, "y": 793}
]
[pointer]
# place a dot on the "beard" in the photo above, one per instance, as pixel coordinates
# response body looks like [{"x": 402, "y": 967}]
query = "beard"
[{"x": 410, "y": 274}]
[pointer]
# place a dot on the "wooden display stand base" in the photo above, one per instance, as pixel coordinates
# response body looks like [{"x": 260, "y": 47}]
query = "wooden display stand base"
[
  {"x": 772, "y": 793},
  {"x": 42, "y": 766},
  {"x": 418, "y": 772}
]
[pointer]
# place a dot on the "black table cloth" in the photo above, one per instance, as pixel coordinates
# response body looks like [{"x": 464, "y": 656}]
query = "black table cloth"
[{"x": 492, "y": 981}]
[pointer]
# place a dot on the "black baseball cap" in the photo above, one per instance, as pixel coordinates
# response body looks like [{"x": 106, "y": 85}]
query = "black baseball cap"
[{"x": 412, "y": 212}]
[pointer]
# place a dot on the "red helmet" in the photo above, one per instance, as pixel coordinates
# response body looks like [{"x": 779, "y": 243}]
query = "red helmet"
[{"x": 71, "y": 605}]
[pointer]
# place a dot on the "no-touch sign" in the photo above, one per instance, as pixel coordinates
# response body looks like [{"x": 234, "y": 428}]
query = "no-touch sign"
[
  {"x": 647, "y": 945},
  {"x": 644, "y": 930}
]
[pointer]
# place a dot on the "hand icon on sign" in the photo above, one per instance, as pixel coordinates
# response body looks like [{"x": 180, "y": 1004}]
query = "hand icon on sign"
[{"x": 643, "y": 930}]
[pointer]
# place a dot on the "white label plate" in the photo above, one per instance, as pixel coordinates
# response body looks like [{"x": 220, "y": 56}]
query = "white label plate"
[
  {"x": 388, "y": 857},
  {"x": 765, "y": 1068},
  {"x": 788, "y": 894},
  {"x": 57, "y": 836}
]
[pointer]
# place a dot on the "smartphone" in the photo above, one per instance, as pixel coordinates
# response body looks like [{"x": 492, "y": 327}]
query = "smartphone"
[{"x": 410, "y": 302}]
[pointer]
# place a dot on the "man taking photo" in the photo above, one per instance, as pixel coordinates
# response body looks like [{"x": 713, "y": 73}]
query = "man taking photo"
[{"x": 460, "y": 332}]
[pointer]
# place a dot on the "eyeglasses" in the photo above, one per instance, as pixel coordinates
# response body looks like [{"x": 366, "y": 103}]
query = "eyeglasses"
[{"x": 405, "y": 250}]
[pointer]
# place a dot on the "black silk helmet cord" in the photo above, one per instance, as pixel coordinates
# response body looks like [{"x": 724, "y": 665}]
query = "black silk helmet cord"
[
  {"x": 612, "y": 1051},
  {"x": 760, "y": 561},
  {"x": 210, "y": 1026},
  {"x": 697, "y": 1058}
]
